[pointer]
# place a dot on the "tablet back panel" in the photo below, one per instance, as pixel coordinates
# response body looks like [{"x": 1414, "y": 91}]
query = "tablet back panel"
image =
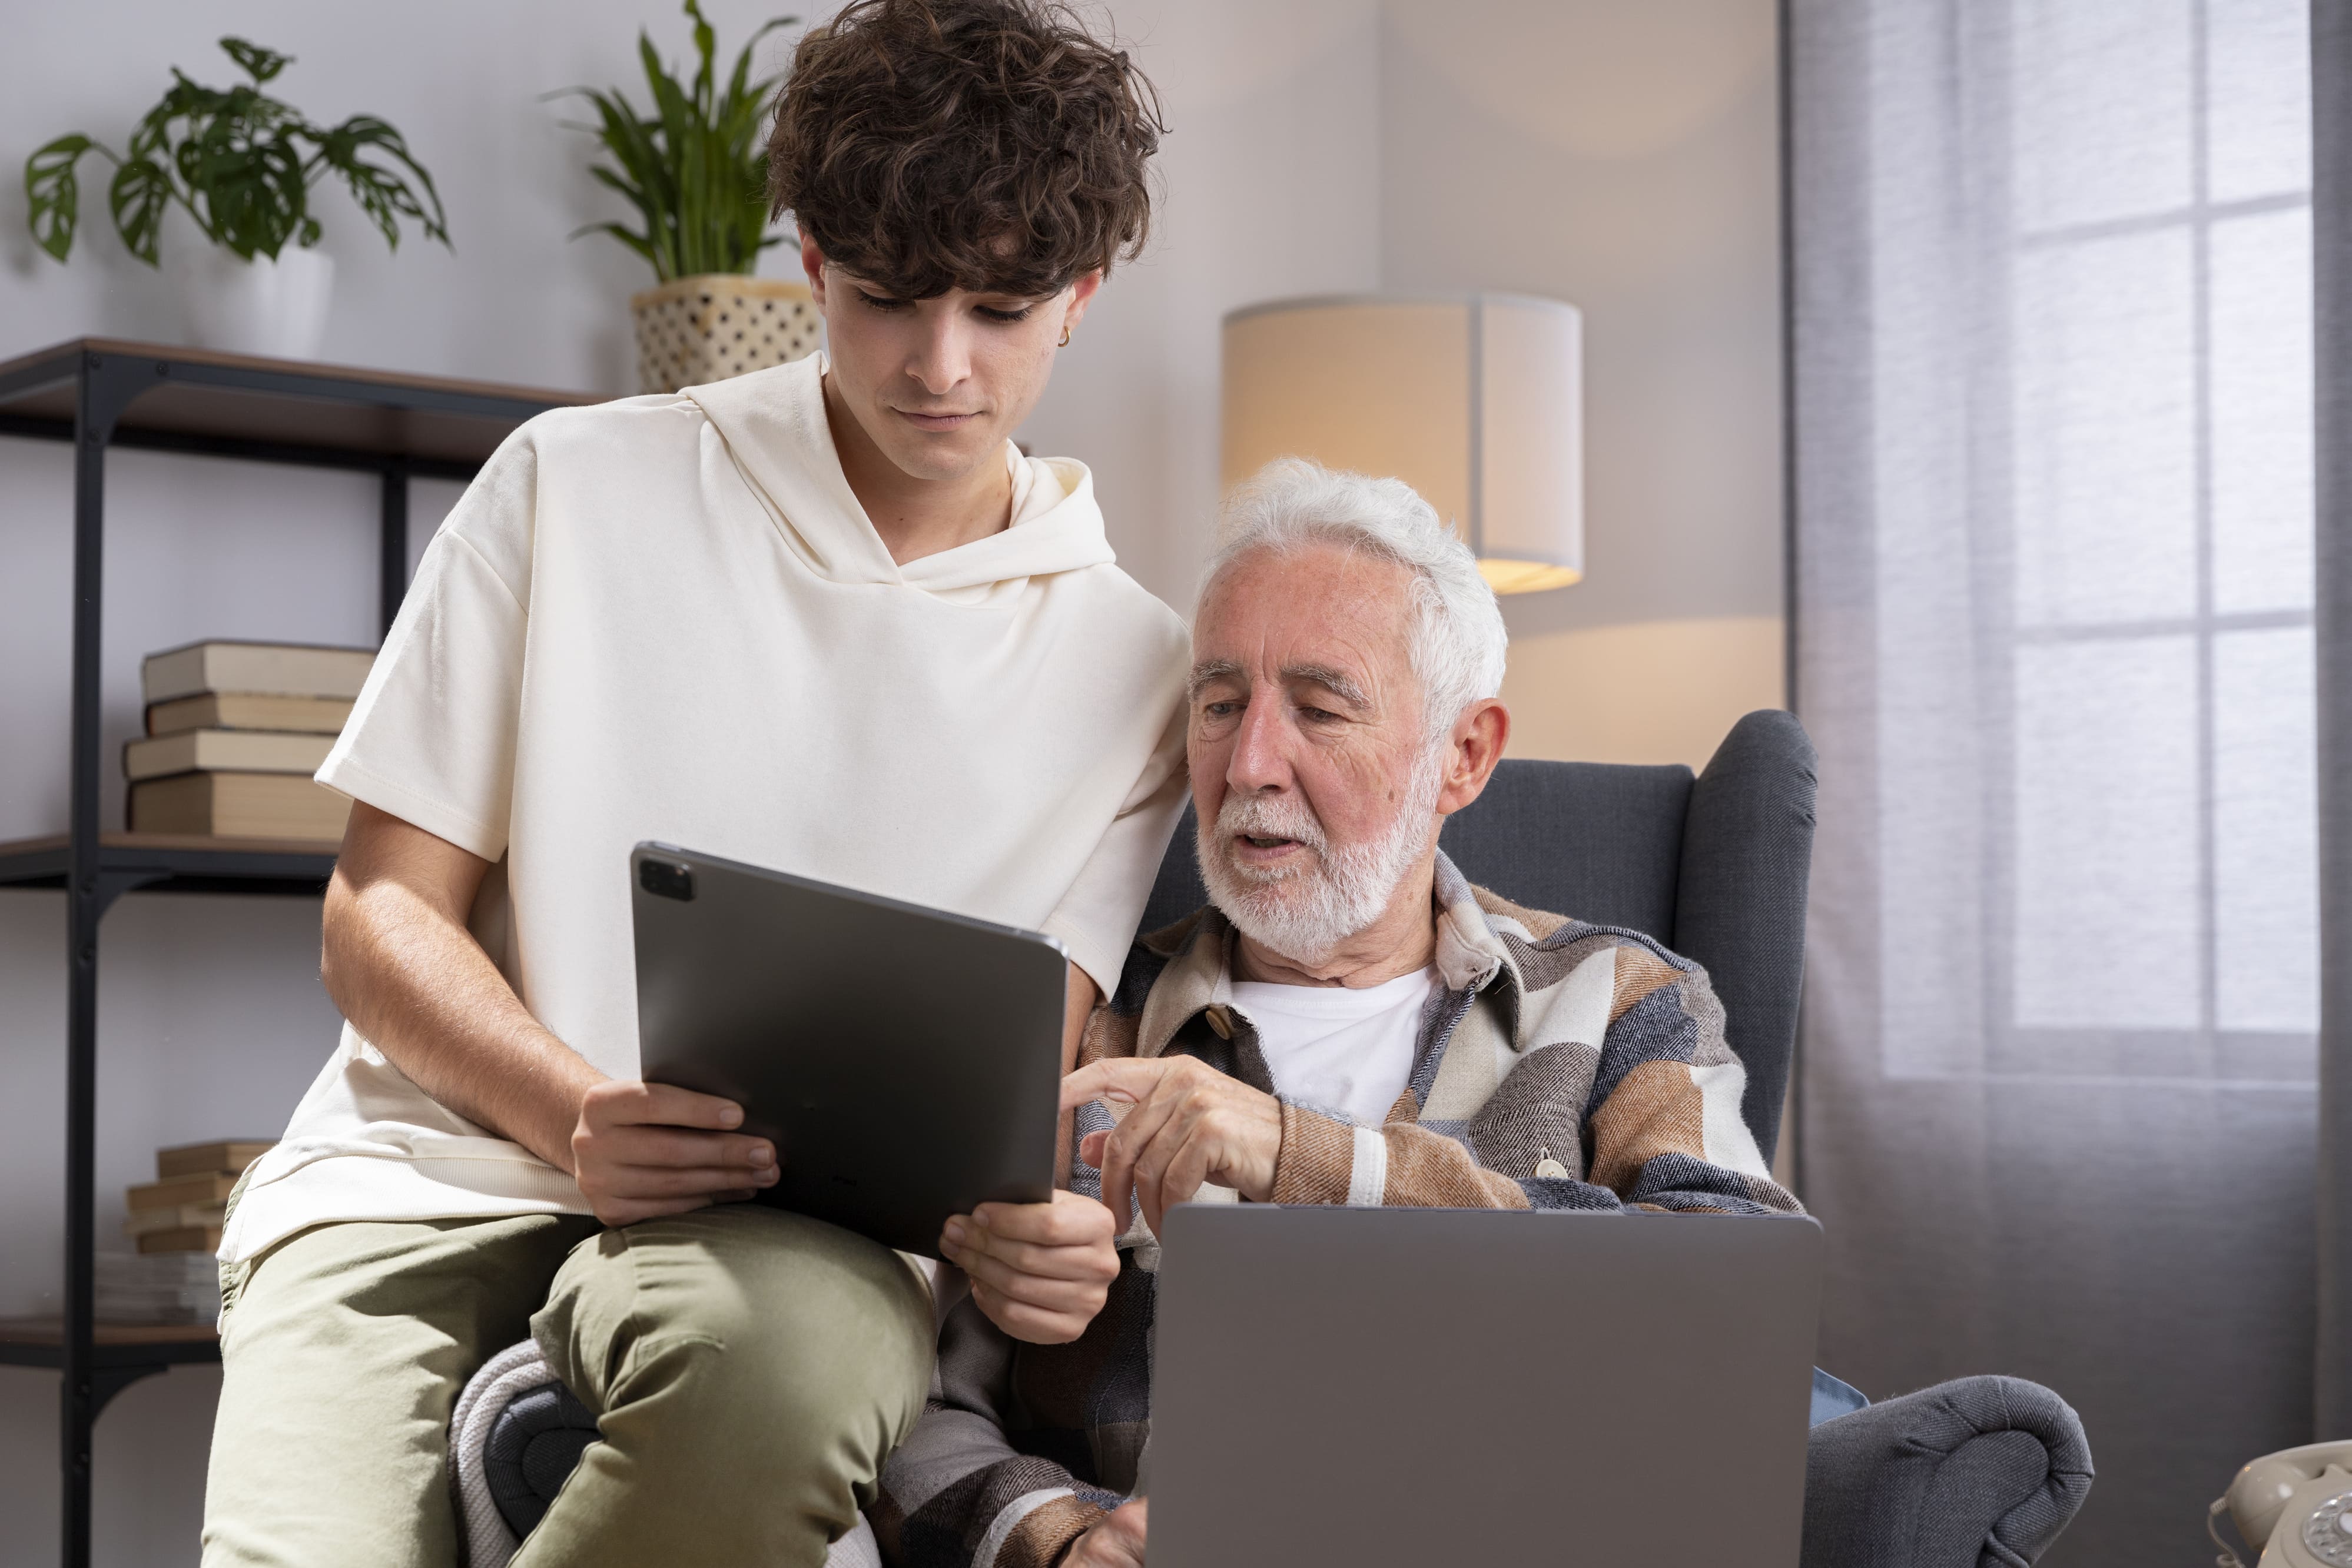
[
  {"x": 1386, "y": 1387},
  {"x": 906, "y": 1061}
]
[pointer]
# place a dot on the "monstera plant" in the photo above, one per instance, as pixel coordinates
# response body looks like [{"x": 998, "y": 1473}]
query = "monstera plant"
[{"x": 242, "y": 164}]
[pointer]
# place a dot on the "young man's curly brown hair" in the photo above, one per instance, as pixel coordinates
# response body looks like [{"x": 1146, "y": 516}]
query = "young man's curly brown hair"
[{"x": 989, "y": 145}]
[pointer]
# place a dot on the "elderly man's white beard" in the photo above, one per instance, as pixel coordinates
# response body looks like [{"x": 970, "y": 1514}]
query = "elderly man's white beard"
[{"x": 1306, "y": 914}]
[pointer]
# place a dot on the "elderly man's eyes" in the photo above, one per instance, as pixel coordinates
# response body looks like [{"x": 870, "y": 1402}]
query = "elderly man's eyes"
[{"x": 1231, "y": 708}]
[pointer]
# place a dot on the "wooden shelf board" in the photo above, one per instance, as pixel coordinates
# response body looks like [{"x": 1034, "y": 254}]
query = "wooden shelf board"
[
  {"x": 51, "y": 1330},
  {"x": 241, "y": 397},
  {"x": 139, "y": 1348}
]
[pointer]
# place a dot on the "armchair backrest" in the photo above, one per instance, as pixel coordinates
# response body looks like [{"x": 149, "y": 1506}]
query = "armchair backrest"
[{"x": 1715, "y": 866}]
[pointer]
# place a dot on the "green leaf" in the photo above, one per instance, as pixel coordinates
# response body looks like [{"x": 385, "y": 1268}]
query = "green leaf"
[
  {"x": 636, "y": 145},
  {"x": 152, "y": 135},
  {"x": 635, "y": 241},
  {"x": 253, "y": 192},
  {"x": 675, "y": 109},
  {"x": 259, "y": 63},
  {"x": 741, "y": 83},
  {"x": 691, "y": 167},
  {"x": 236, "y": 158},
  {"x": 379, "y": 186},
  {"x": 638, "y": 198},
  {"x": 706, "y": 45},
  {"x": 688, "y": 214},
  {"x": 631, "y": 145},
  {"x": 55, "y": 193},
  {"x": 141, "y": 190}
]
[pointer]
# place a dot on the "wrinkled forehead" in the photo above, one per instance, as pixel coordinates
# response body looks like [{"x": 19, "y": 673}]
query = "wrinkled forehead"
[{"x": 1315, "y": 608}]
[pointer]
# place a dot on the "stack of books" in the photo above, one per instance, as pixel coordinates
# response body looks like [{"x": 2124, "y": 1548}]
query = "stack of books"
[
  {"x": 233, "y": 732},
  {"x": 183, "y": 1208},
  {"x": 155, "y": 1287}
]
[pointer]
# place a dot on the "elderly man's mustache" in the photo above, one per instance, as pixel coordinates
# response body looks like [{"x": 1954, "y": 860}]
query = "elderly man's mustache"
[
  {"x": 1304, "y": 908},
  {"x": 1271, "y": 817}
]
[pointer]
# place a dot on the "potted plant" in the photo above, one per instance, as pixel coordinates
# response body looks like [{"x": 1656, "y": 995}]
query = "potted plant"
[
  {"x": 242, "y": 164},
  {"x": 695, "y": 169}
]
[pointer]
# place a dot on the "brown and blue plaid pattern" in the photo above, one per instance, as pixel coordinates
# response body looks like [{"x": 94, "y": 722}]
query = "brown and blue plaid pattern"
[{"x": 1560, "y": 1066}]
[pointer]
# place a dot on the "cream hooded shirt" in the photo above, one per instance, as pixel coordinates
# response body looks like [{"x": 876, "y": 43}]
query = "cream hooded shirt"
[{"x": 668, "y": 618}]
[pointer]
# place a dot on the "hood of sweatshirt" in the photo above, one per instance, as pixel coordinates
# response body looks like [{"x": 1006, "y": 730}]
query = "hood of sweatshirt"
[{"x": 772, "y": 423}]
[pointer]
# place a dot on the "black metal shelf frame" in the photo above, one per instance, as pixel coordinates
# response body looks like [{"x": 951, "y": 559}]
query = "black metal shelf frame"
[
  {"x": 125, "y": 1363},
  {"x": 106, "y": 381}
]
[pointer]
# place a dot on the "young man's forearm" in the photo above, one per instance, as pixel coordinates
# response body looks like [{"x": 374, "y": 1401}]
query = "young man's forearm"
[{"x": 399, "y": 962}]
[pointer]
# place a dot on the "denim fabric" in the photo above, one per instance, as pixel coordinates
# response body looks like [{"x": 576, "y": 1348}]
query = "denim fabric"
[{"x": 1832, "y": 1398}]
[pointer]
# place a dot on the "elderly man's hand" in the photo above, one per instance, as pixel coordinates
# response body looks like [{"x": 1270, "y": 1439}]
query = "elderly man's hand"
[
  {"x": 1115, "y": 1542},
  {"x": 1189, "y": 1125},
  {"x": 1040, "y": 1271}
]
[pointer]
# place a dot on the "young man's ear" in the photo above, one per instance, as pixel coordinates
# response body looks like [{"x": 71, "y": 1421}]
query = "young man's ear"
[
  {"x": 1081, "y": 292},
  {"x": 813, "y": 263}
]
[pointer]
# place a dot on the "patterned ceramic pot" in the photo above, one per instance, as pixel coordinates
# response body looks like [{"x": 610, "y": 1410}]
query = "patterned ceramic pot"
[{"x": 695, "y": 329}]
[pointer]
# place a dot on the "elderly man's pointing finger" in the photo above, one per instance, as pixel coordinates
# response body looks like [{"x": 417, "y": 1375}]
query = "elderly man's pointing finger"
[{"x": 1180, "y": 1123}]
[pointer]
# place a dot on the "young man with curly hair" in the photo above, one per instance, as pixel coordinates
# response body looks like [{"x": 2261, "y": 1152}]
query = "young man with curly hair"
[{"x": 825, "y": 618}]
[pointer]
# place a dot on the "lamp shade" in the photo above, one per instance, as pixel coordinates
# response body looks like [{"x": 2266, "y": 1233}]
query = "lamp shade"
[{"x": 1474, "y": 401}]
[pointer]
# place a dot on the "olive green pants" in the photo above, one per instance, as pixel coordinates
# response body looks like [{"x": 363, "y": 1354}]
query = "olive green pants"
[{"x": 750, "y": 1371}]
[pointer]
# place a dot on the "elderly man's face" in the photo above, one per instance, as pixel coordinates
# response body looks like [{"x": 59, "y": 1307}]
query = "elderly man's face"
[{"x": 1313, "y": 774}]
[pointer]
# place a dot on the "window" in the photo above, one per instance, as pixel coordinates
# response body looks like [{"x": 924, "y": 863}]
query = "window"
[{"x": 2153, "y": 462}]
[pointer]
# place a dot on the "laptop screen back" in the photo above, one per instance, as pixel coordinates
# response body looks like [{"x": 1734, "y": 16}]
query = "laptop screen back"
[{"x": 1386, "y": 1387}]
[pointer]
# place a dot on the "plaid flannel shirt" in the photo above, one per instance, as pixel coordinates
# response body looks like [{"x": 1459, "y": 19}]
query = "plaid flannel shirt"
[{"x": 1560, "y": 1066}]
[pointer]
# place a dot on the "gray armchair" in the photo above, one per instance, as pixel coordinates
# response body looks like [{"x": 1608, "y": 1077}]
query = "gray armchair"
[
  {"x": 1714, "y": 866},
  {"x": 1979, "y": 1473}
]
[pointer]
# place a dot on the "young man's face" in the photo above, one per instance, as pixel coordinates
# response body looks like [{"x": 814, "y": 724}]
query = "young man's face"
[{"x": 937, "y": 384}]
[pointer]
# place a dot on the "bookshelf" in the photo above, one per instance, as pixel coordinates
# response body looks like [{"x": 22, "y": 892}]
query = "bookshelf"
[{"x": 95, "y": 394}]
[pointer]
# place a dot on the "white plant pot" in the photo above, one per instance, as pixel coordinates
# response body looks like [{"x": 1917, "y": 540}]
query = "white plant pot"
[{"x": 276, "y": 310}]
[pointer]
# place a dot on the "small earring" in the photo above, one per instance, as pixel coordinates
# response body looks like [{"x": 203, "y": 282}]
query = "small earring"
[{"x": 1065, "y": 337}]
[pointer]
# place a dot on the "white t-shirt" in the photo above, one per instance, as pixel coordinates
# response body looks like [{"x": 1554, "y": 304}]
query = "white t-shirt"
[
  {"x": 1349, "y": 1051},
  {"x": 668, "y": 618}
]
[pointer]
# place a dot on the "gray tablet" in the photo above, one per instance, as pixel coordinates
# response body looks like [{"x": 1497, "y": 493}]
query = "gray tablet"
[{"x": 906, "y": 1061}]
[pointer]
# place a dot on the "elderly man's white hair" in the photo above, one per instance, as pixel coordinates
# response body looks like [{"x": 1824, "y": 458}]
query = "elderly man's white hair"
[{"x": 1457, "y": 643}]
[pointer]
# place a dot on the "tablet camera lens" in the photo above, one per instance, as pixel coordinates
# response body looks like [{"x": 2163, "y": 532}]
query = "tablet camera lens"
[{"x": 664, "y": 879}]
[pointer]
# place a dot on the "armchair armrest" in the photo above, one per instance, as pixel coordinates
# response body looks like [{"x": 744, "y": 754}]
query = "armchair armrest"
[{"x": 1981, "y": 1472}]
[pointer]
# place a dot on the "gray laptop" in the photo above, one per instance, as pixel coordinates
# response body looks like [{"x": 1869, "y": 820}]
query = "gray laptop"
[
  {"x": 907, "y": 1061},
  {"x": 1398, "y": 1387}
]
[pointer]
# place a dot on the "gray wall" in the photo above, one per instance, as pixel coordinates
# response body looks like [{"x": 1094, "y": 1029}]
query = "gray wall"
[
  {"x": 1318, "y": 146},
  {"x": 1624, "y": 158}
]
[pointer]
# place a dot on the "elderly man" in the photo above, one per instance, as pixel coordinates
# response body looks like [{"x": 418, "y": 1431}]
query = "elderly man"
[{"x": 1349, "y": 1021}]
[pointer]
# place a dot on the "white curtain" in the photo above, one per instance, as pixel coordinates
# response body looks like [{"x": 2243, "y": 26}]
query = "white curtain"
[{"x": 2052, "y": 363}]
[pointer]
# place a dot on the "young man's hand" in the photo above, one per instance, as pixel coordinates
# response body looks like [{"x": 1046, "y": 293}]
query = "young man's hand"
[
  {"x": 1189, "y": 1123},
  {"x": 1115, "y": 1542},
  {"x": 1040, "y": 1271},
  {"x": 643, "y": 1150}
]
